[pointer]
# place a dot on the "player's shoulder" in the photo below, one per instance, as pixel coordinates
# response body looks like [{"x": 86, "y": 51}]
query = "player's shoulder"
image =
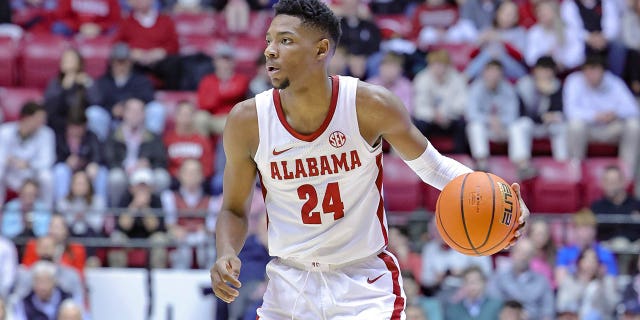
[{"x": 242, "y": 121}]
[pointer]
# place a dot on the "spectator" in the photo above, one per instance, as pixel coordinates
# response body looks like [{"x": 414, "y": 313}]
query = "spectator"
[
  {"x": 400, "y": 246},
  {"x": 616, "y": 200},
  {"x": 189, "y": 6},
  {"x": 360, "y": 35},
  {"x": 26, "y": 216},
  {"x": 45, "y": 297},
  {"x": 8, "y": 266},
  {"x": 414, "y": 312},
  {"x": 631, "y": 39},
  {"x": 184, "y": 143},
  {"x": 219, "y": 92},
  {"x": 88, "y": 18},
  {"x": 191, "y": 217},
  {"x": 437, "y": 21},
  {"x": 130, "y": 147},
  {"x": 68, "y": 90},
  {"x": 391, "y": 77},
  {"x": 551, "y": 37},
  {"x": 492, "y": 109},
  {"x": 78, "y": 149},
  {"x": 236, "y": 13},
  {"x": 600, "y": 107},
  {"x": 83, "y": 210},
  {"x": 505, "y": 42},
  {"x": 590, "y": 292},
  {"x": 69, "y": 310},
  {"x": 512, "y": 310},
  {"x": 544, "y": 260},
  {"x": 440, "y": 100},
  {"x": 34, "y": 16},
  {"x": 584, "y": 222},
  {"x": 541, "y": 96},
  {"x": 56, "y": 247},
  {"x": 152, "y": 36},
  {"x": 27, "y": 151},
  {"x": 260, "y": 81},
  {"x": 120, "y": 83},
  {"x": 597, "y": 24},
  {"x": 472, "y": 302},
  {"x": 631, "y": 296},
  {"x": 519, "y": 283},
  {"x": 480, "y": 12}
]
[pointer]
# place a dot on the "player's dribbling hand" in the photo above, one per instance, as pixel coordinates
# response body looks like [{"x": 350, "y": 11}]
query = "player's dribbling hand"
[
  {"x": 524, "y": 215},
  {"x": 224, "y": 278}
]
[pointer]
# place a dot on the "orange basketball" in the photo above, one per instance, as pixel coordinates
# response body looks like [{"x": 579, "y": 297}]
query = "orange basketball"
[{"x": 477, "y": 213}]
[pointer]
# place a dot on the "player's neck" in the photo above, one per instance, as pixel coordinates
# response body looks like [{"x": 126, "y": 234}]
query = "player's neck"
[{"x": 308, "y": 98}]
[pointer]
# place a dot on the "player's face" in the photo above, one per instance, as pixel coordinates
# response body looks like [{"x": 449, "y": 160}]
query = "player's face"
[{"x": 292, "y": 50}]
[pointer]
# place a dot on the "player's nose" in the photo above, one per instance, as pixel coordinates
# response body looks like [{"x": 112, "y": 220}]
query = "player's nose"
[{"x": 270, "y": 51}]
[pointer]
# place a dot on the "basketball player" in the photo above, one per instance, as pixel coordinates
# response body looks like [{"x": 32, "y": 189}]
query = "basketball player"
[{"x": 315, "y": 140}]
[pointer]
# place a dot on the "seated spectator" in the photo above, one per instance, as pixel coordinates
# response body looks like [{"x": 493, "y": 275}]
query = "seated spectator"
[
  {"x": 34, "y": 16},
  {"x": 512, "y": 310},
  {"x": 585, "y": 223},
  {"x": 191, "y": 218},
  {"x": 472, "y": 302},
  {"x": 26, "y": 216},
  {"x": 236, "y": 13},
  {"x": 480, "y": 12},
  {"x": 630, "y": 303},
  {"x": 390, "y": 76},
  {"x": 45, "y": 297},
  {"x": 189, "y": 6},
  {"x": 597, "y": 24},
  {"x": 27, "y": 151},
  {"x": 631, "y": 39},
  {"x": 68, "y": 90},
  {"x": 616, "y": 200},
  {"x": 87, "y": 18},
  {"x": 590, "y": 291},
  {"x": 184, "y": 142},
  {"x": 260, "y": 81},
  {"x": 492, "y": 109},
  {"x": 520, "y": 283},
  {"x": 504, "y": 42},
  {"x": 550, "y": 37},
  {"x": 360, "y": 35},
  {"x": 130, "y": 147},
  {"x": 541, "y": 96},
  {"x": 408, "y": 260},
  {"x": 600, "y": 107},
  {"x": 8, "y": 267},
  {"x": 56, "y": 247},
  {"x": 69, "y": 310},
  {"x": 440, "y": 99},
  {"x": 82, "y": 208},
  {"x": 545, "y": 259},
  {"x": 120, "y": 83},
  {"x": 78, "y": 149},
  {"x": 438, "y": 21},
  {"x": 219, "y": 92},
  {"x": 152, "y": 37}
]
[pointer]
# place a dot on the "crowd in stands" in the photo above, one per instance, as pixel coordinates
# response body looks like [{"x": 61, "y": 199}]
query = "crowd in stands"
[{"x": 103, "y": 156}]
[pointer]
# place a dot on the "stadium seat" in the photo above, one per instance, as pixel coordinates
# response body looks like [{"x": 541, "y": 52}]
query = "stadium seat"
[
  {"x": 556, "y": 188},
  {"x": 198, "y": 44},
  {"x": 170, "y": 100},
  {"x": 95, "y": 53},
  {"x": 592, "y": 171},
  {"x": 195, "y": 24},
  {"x": 401, "y": 185},
  {"x": 395, "y": 25},
  {"x": 430, "y": 194},
  {"x": 460, "y": 53},
  {"x": 41, "y": 59},
  {"x": 247, "y": 52},
  {"x": 258, "y": 24},
  {"x": 13, "y": 99},
  {"x": 8, "y": 61}
]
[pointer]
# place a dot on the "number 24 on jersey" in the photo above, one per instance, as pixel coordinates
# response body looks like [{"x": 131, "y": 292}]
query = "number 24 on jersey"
[{"x": 331, "y": 203}]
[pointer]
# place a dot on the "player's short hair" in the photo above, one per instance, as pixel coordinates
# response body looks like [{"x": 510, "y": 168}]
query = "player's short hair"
[
  {"x": 30, "y": 108},
  {"x": 314, "y": 14}
]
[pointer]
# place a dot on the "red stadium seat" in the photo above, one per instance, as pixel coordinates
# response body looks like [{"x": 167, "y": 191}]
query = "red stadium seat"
[
  {"x": 195, "y": 44},
  {"x": 430, "y": 194},
  {"x": 258, "y": 24},
  {"x": 394, "y": 25},
  {"x": 195, "y": 24},
  {"x": 247, "y": 52},
  {"x": 41, "y": 58},
  {"x": 592, "y": 171},
  {"x": 95, "y": 53},
  {"x": 13, "y": 99},
  {"x": 8, "y": 61},
  {"x": 170, "y": 100},
  {"x": 460, "y": 53},
  {"x": 557, "y": 187},
  {"x": 401, "y": 185}
]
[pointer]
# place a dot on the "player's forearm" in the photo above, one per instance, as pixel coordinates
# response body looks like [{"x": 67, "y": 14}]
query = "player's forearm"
[{"x": 231, "y": 232}]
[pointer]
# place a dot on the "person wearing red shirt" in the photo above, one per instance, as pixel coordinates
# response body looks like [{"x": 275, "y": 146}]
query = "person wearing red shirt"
[
  {"x": 89, "y": 17},
  {"x": 154, "y": 41}
]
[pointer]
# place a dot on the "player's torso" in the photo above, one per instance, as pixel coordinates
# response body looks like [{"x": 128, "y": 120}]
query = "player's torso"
[{"x": 323, "y": 190}]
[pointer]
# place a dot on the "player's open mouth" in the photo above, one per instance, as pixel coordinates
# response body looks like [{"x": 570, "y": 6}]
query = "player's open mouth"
[{"x": 271, "y": 69}]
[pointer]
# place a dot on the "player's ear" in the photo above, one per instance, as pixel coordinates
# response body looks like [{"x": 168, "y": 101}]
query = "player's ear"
[{"x": 323, "y": 48}]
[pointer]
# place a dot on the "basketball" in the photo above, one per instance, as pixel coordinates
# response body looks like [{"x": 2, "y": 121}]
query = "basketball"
[{"x": 477, "y": 214}]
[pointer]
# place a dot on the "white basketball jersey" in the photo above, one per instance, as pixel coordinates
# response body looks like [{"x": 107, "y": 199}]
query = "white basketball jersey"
[{"x": 323, "y": 190}]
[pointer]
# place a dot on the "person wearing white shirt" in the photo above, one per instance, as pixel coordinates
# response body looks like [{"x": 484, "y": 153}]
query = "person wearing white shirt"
[
  {"x": 600, "y": 107},
  {"x": 27, "y": 151},
  {"x": 8, "y": 267}
]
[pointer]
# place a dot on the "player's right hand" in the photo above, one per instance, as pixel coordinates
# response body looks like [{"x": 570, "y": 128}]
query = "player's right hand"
[{"x": 224, "y": 278}]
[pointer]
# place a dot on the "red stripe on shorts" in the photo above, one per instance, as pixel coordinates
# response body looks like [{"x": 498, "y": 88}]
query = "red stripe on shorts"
[{"x": 398, "y": 305}]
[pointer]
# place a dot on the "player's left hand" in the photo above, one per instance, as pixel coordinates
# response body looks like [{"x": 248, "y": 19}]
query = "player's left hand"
[{"x": 524, "y": 215}]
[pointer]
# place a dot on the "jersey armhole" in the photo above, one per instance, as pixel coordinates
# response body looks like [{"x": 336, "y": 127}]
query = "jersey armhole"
[{"x": 377, "y": 146}]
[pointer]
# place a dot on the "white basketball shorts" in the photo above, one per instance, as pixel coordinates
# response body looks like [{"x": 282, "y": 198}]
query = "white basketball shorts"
[{"x": 368, "y": 289}]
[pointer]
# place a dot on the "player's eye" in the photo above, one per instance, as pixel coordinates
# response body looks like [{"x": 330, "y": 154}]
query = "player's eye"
[
  {"x": 267, "y": 41},
  {"x": 286, "y": 41}
]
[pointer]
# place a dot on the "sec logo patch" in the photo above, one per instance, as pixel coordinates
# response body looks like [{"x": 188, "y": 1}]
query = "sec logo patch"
[{"x": 337, "y": 139}]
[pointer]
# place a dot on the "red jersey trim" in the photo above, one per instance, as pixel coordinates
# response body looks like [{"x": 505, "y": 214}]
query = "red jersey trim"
[
  {"x": 332, "y": 109},
  {"x": 380, "y": 212}
]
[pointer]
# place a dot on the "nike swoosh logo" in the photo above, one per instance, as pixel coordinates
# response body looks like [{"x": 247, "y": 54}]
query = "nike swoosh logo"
[
  {"x": 275, "y": 152},
  {"x": 370, "y": 281}
]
